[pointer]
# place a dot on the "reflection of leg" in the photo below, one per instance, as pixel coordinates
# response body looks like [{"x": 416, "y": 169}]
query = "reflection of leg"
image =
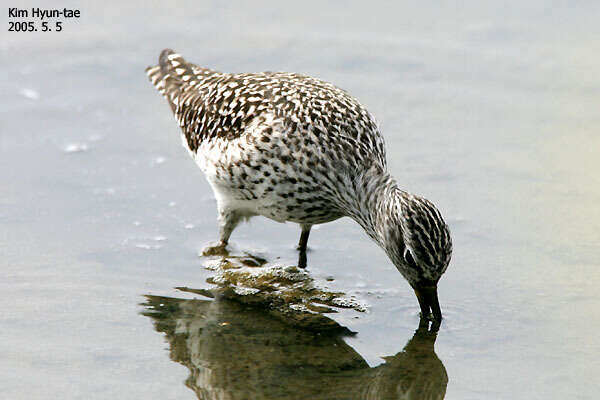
[{"x": 302, "y": 245}]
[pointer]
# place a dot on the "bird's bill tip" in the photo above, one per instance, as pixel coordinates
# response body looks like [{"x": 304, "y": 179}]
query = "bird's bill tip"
[{"x": 428, "y": 301}]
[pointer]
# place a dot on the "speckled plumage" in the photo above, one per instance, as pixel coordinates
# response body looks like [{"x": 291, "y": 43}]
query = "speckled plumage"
[{"x": 294, "y": 148}]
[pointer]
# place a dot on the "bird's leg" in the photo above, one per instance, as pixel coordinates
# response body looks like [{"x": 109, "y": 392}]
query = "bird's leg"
[
  {"x": 228, "y": 220},
  {"x": 304, "y": 237},
  {"x": 302, "y": 245}
]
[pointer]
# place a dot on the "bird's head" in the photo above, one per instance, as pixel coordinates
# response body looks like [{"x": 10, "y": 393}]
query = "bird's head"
[{"x": 419, "y": 244}]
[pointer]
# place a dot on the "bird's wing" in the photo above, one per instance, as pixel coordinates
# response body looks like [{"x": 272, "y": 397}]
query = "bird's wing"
[{"x": 210, "y": 104}]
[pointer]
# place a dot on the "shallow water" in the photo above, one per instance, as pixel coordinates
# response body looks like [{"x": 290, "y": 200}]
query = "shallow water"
[{"x": 489, "y": 111}]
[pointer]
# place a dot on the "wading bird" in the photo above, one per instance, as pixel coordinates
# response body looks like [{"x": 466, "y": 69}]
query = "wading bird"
[{"x": 294, "y": 148}]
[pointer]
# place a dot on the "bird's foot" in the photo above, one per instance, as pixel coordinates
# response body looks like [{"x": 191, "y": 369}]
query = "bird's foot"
[{"x": 218, "y": 250}]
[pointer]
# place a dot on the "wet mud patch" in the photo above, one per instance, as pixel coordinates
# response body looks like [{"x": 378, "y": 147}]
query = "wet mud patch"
[{"x": 287, "y": 292}]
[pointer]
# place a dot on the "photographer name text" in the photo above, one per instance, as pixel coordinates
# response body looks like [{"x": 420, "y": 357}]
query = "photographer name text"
[{"x": 39, "y": 19}]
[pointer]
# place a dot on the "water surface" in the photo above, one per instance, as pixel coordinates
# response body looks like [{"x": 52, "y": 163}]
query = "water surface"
[{"x": 490, "y": 111}]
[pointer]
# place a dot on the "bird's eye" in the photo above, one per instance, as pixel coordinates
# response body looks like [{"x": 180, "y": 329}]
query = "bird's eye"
[{"x": 409, "y": 259}]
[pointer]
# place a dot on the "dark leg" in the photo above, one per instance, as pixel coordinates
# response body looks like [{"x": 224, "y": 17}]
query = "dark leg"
[
  {"x": 302, "y": 259},
  {"x": 302, "y": 245},
  {"x": 304, "y": 237}
]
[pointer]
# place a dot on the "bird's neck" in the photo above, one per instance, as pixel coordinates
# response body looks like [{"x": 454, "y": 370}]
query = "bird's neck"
[{"x": 373, "y": 204}]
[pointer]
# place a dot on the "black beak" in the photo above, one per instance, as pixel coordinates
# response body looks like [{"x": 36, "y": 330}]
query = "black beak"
[{"x": 428, "y": 300}]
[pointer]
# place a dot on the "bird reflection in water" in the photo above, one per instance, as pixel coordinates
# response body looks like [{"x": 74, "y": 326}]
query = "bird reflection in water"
[{"x": 244, "y": 346}]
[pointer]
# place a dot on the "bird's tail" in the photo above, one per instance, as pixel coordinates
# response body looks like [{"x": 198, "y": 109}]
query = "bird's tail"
[{"x": 170, "y": 76}]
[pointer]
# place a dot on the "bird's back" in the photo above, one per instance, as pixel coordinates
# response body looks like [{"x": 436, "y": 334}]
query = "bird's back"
[
  {"x": 210, "y": 105},
  {"x": 282, "y": 145}
]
